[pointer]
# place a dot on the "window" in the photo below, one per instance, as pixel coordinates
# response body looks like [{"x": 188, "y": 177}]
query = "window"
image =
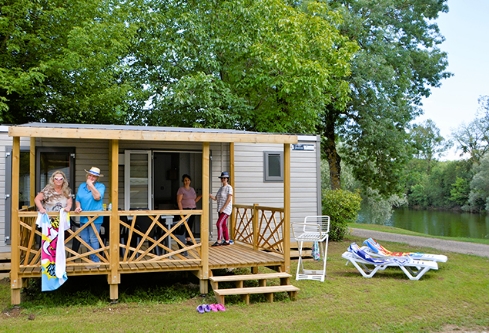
[{"x": 274, "y": 166}]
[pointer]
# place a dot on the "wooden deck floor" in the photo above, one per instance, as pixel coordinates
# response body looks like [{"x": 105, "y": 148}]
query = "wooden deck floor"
[
  {"x": 241, "y": 256},
  {"x": 220, "y": 257}
]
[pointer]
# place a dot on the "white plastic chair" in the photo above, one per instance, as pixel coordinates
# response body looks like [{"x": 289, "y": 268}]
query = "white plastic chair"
[{"x": 313, "y": 229}]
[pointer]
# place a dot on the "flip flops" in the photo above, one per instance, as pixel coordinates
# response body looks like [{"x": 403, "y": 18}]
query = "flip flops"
[
  {"x": 220, "y": 307},
  {"x": 210, "y": 307},
  {"x": 203, "y": 308}
]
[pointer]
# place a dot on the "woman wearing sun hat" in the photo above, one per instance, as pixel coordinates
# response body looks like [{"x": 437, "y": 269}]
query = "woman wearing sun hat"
[
  {"x": 89, "y": 198},
  {"x": 224, "y": 198}
]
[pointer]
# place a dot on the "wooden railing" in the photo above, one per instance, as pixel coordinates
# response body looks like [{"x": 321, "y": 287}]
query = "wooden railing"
[
  {"x": 259, "y": 226},
  {"x": 137, "y": 242}
]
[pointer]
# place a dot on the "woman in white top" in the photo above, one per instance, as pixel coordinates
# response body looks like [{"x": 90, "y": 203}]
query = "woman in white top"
[{"x": 224, "y": 198}]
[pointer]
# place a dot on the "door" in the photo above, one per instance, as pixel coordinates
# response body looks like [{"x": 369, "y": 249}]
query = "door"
[{"x": 137, "y": 180}]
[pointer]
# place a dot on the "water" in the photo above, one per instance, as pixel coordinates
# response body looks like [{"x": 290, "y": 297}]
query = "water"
[{"x": 439, "y": 223}]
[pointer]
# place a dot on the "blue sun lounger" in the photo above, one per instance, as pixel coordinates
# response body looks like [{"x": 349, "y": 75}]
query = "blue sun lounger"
[
  {"x": 368, "y": 265},
  {"x": 377, "y": 250}
]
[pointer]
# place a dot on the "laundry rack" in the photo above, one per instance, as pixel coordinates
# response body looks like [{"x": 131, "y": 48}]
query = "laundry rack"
[{"x": 313, "y": 229}]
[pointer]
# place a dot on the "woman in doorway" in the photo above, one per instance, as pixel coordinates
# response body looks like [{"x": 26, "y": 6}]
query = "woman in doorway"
[
  {"x": 224, "y": 198},
  {"x": 187, "y": 198},
  {"x": 89, "y": 197}
]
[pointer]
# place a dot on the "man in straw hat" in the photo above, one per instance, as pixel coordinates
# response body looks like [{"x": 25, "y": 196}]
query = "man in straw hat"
[{"x": 89, "y": 197}]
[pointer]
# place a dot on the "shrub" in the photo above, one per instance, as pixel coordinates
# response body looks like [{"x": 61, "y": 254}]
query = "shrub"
[{"x": 342, "y": 207}]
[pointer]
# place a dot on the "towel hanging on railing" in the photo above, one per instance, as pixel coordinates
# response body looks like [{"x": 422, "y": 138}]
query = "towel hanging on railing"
[{"x": 53, "y": 256}]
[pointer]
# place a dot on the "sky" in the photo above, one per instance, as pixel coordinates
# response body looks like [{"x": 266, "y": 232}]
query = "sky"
[{"x": 466, "y": 31}]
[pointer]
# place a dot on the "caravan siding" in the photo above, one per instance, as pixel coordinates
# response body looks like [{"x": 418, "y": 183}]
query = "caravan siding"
[
  {"x": 6, "y": 148},
  {"x": 305, "y": 178}
]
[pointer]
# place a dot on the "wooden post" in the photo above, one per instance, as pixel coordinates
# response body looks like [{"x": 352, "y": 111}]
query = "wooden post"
[
  {"x": 254, "y": 226},
  {"x": 204, "y": 220},
  {"x": 232, "y": 183},
  {"x": 114, "y": 278},
  {"x": 32, "y": 171},
  {"x": 15, "y": 280},
  {"x": 286, "y": 229}
]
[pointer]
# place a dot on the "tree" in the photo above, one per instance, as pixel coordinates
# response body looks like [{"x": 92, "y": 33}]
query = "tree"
[
  {"x": 473, "y": 139},
  {"x": 253, "y": 65},
  {"x": 428, "y": 142},
  {"x": 396, "y": 65},
  {"x": 479, "y": 186},
  {"x": 64, "y": 61}
]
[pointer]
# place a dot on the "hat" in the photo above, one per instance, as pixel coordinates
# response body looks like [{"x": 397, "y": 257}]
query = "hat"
[
  {"x": 94, "y": 171},
  {"x": 224, "y": 174}
]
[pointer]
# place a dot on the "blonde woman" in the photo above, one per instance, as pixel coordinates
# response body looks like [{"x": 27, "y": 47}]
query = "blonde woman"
[{"x": 55, "y": 195}]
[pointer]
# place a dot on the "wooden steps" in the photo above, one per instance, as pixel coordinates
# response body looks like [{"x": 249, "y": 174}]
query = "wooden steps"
[
  {"x": 4, "y": 265},
  {"x": 245, "y": 292}
]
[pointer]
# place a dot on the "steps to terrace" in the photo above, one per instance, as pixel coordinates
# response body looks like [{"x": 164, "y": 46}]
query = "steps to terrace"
[{"x": 262, "y": 288}]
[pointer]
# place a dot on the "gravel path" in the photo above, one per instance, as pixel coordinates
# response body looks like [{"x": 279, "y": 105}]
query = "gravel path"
[{"x": 481, "y": 250}]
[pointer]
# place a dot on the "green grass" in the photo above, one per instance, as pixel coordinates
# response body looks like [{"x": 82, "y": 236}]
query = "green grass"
[
  {"x": 400, "y": 231},
  {"x": 452, "y": 298}
]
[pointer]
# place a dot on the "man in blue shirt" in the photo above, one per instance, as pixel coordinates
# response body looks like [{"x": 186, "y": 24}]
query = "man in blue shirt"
[{"x": 89, "y": 198}]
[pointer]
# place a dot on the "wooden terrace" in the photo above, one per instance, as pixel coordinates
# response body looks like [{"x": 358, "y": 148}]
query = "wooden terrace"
[{"x": 138, "y": 241}]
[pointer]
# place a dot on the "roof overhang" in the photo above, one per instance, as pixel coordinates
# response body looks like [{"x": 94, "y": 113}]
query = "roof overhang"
[{"x": 145, "y": 133}]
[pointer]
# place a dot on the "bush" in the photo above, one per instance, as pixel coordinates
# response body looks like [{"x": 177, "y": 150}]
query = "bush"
[{"x": 342, "y": 207}]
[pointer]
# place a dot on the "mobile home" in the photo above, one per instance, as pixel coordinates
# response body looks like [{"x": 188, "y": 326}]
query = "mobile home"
[{"x": 143, "y": 167}]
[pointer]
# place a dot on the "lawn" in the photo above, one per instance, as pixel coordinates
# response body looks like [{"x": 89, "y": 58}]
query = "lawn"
[{"x": 454, "y": 298}]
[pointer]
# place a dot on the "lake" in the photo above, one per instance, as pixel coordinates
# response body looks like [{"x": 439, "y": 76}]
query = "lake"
[{"x": 440, "y": 223}]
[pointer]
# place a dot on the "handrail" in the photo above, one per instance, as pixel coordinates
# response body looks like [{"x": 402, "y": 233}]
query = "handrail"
[{"x": 260, "y": 227}]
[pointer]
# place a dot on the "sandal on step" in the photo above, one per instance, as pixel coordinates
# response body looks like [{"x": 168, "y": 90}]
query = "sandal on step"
[{"x": 216, "y": 244}]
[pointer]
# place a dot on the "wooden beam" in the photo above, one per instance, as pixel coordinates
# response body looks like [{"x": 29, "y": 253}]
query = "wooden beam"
[
  {"x": 204, "y": 220},
  {"x": 114, "y": 278},
  {"x": 286, "y": 229},
  {"x": 15, "y": 280},
  {"x": 232, "y": 183},
  {"x": 151, "y": 134},
  {"x": 32, "y": 171}
]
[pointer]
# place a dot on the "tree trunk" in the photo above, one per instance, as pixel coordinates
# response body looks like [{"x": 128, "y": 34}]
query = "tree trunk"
[{"x": 329, "y": 147}]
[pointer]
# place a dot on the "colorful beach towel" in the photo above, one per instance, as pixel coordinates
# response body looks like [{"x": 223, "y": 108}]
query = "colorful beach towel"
[
  {"x": 376, "y": 249},
  {"x": 53, "y": 256}
]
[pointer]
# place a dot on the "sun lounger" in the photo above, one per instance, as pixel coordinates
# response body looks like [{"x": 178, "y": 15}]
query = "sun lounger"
[
  {"x": 375, "y": 249},
  {"x": 368, "y": 265}
]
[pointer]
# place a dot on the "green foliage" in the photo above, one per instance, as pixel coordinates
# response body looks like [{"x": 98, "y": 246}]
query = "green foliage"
[
  {"x": 428, "y": 142},
  {"x": 479, "y": 186},
  {"x": 342, "y": 207},
  {"x": 378, "y": 210},
  {"x": 255, "y": 65},
  {"x": 64, "y": 61},
  {"x": 397, "y": 64},
  {"x": 473, "y": 138},
  {"x": 460, "y": 191},
  {"x": 445, "y": 187}
]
